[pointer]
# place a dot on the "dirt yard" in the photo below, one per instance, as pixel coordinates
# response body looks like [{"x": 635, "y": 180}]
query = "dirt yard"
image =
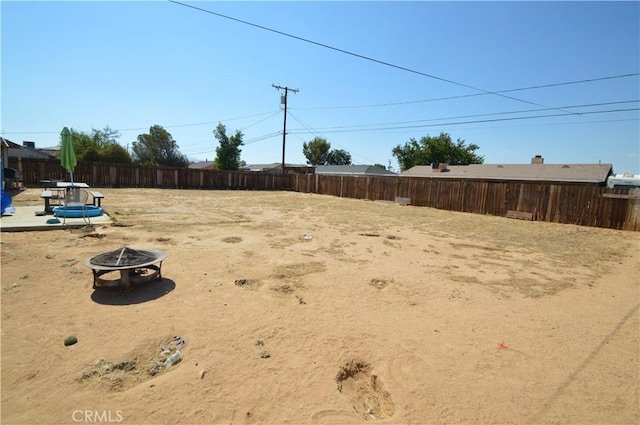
[{"x": 306, "y": 309}]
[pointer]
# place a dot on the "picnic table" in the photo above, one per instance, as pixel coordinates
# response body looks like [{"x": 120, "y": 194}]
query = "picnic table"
[{"x": 55, "y": 191}]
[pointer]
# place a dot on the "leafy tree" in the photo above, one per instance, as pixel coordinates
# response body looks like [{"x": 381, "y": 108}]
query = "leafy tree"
[
  {"x": 158, "y": 148},
  {"x": 380, "y": 166},
  {"x": 113, "y": 152},
  {"x": 440, "y": 149},
  {"x": 316, "y": 151},
  {"x": 228, "y": 153},
  {"x": 99, "y": 145},
  {"x": 338, "y": 157},
  {"x": 82, "y": 143},
  {"x": 91, "y": 154}
]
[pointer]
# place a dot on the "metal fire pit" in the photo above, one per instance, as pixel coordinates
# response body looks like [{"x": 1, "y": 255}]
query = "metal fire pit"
[{"x": 135, "y": 266}]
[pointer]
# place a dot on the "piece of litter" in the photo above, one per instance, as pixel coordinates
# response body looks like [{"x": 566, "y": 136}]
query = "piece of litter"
[
  {"x": 308, "y": 237},
  {"x": 202, "y": 373},
  {"x": 501, "y": 345},
  {"x": 70, "y": 340}
]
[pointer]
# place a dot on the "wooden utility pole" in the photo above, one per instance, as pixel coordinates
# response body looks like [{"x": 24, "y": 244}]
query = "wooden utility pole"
[{"x": 283, "y": 100}]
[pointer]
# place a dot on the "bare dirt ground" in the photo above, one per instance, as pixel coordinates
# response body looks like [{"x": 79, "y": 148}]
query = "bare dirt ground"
[{"x": 308, "y": 309}]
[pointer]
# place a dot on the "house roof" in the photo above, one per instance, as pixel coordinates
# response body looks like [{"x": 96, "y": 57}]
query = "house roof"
[
  {"x": 353, "y": 170},
  {"x": 202, "y": 165},
  {"x": 274, "y": 166},
  {"x": 25, "y": 151},
  {"x": 265, "y": 167},
  {"x": 586, "y": 173}
]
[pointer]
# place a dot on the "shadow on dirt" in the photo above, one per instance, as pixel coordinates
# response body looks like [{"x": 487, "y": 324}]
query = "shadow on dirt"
[{"x": 145, "y": 292}]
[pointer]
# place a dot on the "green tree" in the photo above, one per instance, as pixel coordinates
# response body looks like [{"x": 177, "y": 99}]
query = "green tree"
[
  {"x": 316, "y": 151},
  {"x": 338, "y": 157},
  {"x": 90, "y": 154},
  {"x": 228, "y": 152},
  {"x": 82, "y": 142},
  {"x": 158, "y": 148},
  {"x": 433, "y": 150},
  {"x": 380, "y": 166},
  {"x": 113, "y": 152},
  {"x": 99, "y": 145}
]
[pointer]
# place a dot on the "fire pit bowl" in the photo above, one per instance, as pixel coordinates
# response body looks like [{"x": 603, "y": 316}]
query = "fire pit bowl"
[{"x": 134, "y": 266}]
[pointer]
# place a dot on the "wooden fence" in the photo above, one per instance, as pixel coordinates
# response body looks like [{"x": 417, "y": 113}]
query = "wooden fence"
[
  {"x": 569, "y": 203},
  {"x": 101, "y": 174}
]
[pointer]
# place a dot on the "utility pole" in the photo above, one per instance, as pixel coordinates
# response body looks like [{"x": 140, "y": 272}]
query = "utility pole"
[{"x": 283, "y": 100}]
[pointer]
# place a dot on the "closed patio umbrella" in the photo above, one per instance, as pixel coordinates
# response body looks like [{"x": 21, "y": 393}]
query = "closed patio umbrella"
[{"x": 67, "y": 154}]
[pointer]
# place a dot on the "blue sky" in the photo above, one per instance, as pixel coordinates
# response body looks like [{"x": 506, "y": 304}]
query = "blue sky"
[{"x": 131, "y": 65}]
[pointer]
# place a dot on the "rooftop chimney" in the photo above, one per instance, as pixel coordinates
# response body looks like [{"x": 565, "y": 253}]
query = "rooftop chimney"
[
  {"x": 439, "y": 167},
  {"x": 27, "y": 144},
  {"x": 538, "y": 159}
]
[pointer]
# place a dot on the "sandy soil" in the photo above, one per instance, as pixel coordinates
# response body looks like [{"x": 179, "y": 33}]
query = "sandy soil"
[{"x": 306, "y": 309}]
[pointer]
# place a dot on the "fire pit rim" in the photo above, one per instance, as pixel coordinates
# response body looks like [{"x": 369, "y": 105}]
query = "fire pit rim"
[{"x": 159, "y": 257}]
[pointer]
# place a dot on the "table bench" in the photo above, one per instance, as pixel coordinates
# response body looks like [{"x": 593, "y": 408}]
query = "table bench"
[
  {"x": 97, "y": 197},
  {"x": 48, "y": 195}
]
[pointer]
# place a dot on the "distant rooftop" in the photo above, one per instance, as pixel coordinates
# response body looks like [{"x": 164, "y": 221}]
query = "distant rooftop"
[
  {"x": 353, "y": 170},
  {"x": 202, "y": 165},
  {"x": 588, "y": 173}
]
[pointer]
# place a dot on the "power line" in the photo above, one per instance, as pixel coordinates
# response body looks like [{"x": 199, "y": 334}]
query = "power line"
[
  {"x": 204, "y": 123},
  {"x": 479, "y": 115},
  {"x": 164, "y": 126},
  {"x": 326, "y": 46},
  {"x": 262, "y": 120},
  {"x": 213, "y": 140},
  {"x": 298, "y": 131},
  {"x": 471, "y": 95},
  {"x": 263, "y": 137},
  {"x": 315, "y": 133}
]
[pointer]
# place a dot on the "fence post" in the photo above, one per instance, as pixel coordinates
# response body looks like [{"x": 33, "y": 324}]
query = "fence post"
[
  {"x": 113, "y": 176},
  {"x": 366, "y": 190},
  {"x": 632, "y": 220}
]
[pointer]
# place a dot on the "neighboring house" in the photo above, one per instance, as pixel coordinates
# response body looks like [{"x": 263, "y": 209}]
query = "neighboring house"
[
  {"x": 352, "y": 170},
  {"x": 4, "y": 159},
  {"x": 27, "y": 150},
  {"x": 203, "y": 165},
  {"x": 263, "y": 168},
  {"x": 11, "y": 177},
  {"x": 276, "y": 168},
  {"x": 536, "y": 171},
  {"x": 4, "y": 147},
  {"x": 52, "y": 150}
]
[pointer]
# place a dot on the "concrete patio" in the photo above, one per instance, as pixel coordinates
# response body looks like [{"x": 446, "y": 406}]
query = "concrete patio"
[{"x": 25, "y": 219}]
